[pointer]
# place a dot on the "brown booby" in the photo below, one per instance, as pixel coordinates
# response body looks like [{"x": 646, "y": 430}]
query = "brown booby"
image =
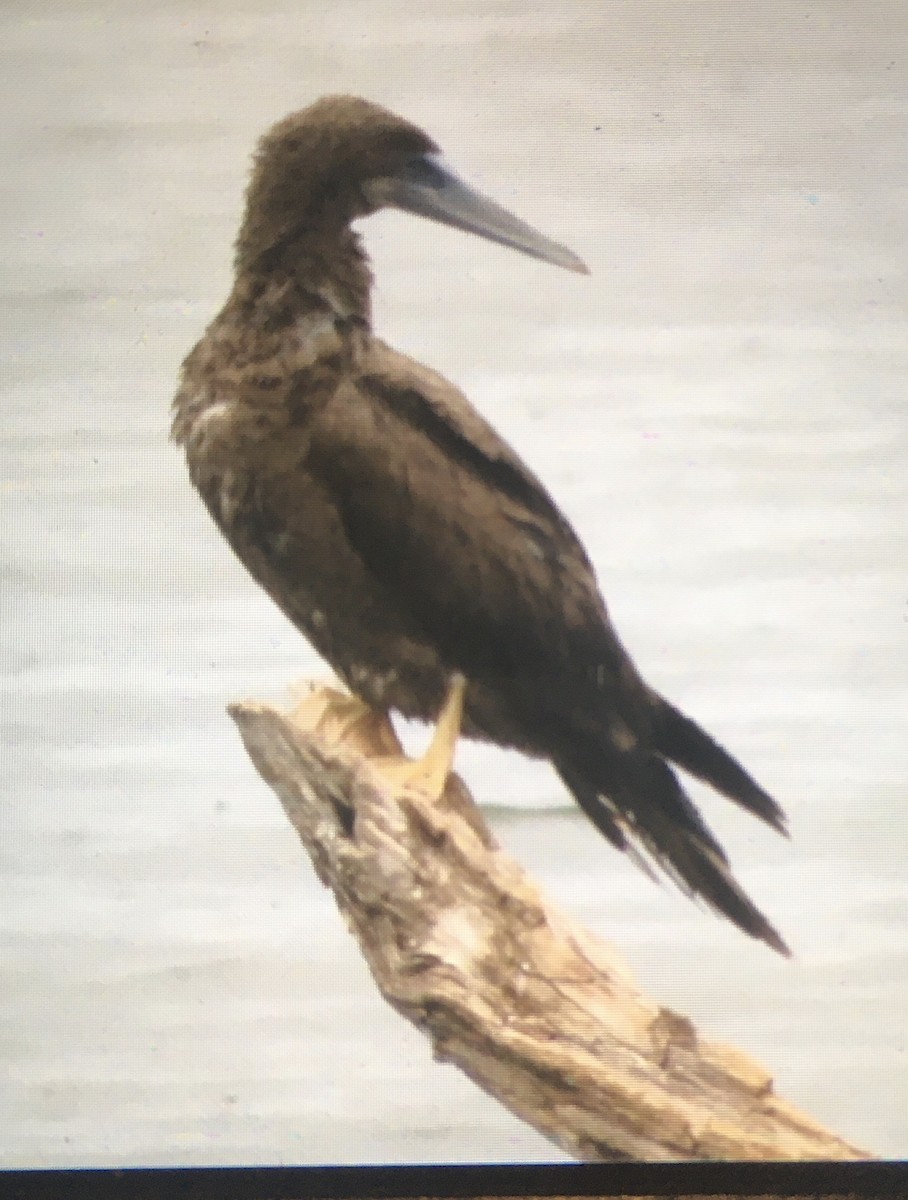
[{"x": 394, "y": 527}]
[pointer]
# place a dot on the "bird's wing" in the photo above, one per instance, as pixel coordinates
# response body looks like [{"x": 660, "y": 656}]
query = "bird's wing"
[{"x": 449, "y": 520}]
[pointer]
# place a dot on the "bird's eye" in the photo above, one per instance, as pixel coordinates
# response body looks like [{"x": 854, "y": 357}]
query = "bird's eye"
[{"x": 426, "y": 171}]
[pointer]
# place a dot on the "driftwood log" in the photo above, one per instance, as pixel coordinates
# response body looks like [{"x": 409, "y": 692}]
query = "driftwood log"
[{"x": 539, "y": 1013}]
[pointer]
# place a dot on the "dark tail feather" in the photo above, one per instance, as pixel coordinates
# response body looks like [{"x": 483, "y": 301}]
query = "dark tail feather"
[
  {"x": 644, "y": 802},
  {"x": 685, "y": 743}
]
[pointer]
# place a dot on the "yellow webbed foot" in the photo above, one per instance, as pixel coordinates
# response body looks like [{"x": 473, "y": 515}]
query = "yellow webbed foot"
[
  {"x": 331, "y": 713},
  {"x": 429, "y": 774}
]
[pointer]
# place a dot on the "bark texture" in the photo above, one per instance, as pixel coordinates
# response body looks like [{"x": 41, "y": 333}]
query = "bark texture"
[{"x": 538, "y": 1012}]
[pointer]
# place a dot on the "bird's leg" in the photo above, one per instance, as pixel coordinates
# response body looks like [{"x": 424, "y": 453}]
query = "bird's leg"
[{"x": 429, "y": 774}]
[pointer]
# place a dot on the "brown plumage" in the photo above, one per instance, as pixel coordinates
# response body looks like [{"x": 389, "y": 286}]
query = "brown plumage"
[{"x": 397, "y": 530}]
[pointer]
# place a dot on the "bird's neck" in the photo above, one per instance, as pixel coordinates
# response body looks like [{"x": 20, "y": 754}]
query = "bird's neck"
[{"x": 327, "y": 272}]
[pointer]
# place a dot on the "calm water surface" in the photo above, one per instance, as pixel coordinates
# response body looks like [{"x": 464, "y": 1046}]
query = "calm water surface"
[{"x": 720, "y": 409}]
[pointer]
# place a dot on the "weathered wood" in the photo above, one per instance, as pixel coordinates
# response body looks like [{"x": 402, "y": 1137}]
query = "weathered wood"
[{"x": 538, "y": 1012}]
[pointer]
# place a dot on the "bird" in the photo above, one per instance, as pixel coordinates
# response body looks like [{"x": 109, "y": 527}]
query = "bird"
[{"x": 401, "y": 535}]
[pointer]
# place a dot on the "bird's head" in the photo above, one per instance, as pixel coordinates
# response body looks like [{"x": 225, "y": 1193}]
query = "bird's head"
[{"x": 343, "y": 158}]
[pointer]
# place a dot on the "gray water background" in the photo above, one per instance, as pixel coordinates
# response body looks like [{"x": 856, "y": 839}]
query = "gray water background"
[{"x": 720, "y": 408}]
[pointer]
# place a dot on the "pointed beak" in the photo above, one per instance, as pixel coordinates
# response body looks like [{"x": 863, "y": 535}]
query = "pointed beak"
[{"x": 431, "y": 189}]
